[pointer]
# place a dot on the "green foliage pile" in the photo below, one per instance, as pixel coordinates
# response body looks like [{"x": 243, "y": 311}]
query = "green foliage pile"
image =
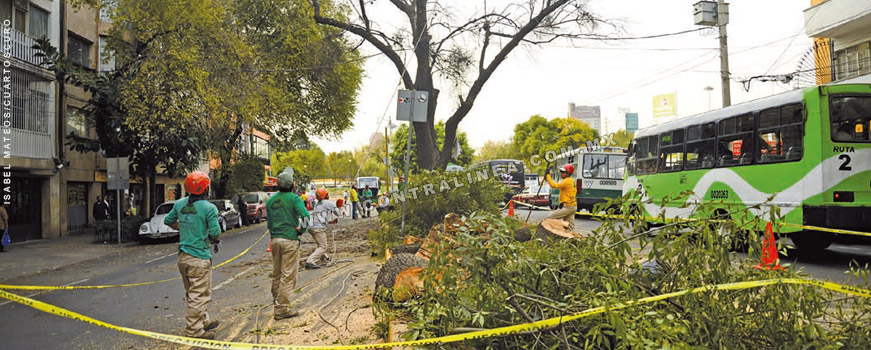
[
  {"x": 482, "y": 284},
  {"x": 427, "y": 210}
]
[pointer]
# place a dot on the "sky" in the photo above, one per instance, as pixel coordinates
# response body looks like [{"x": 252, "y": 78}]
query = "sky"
[{"x": 764, "y": 37}]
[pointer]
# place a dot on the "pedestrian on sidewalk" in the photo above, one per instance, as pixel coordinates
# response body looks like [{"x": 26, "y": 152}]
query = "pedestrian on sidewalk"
[
  {"x": 242, "y": 206},
  {"x": 567, "y": 202},
  {"x": 324, "y": 212},
  {"x": 283, "y": 213},
  {"x": 101, "y": 209},
  {"x": 355, "y": 202},
  {"x": 4, "y": 226},
  {"x": 196, "y": 220}
]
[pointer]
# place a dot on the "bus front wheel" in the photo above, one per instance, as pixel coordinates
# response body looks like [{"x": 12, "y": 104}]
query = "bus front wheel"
[{"x": 813, "y": 241}]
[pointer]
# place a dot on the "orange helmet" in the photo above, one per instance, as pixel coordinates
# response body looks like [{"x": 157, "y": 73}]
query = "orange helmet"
[
  {"x": 321, "y": 193},
  {"x": 196, "y": 182}
]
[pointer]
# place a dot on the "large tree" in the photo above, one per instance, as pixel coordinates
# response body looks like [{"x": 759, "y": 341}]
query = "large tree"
[
  {"x": 465, "y": 53},
  {"x": 400, "y": 147},
  {"x": 496, "y": 150},
  {"x": 188, "y": 83},
  {"x": 537, "y": 136}
]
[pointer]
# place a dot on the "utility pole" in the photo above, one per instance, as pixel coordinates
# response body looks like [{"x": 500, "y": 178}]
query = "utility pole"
[
  {"x": 722, "y": 20},
  {"x": 710, "y": 13},
  {"x": 387, "y": 158}
]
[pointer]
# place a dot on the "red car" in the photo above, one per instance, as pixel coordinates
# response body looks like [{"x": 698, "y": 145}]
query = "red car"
[{"x": 528, "y": 196}]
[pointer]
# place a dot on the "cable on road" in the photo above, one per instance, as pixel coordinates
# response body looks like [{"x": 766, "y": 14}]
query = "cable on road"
[{"x": 341, "y": 291}]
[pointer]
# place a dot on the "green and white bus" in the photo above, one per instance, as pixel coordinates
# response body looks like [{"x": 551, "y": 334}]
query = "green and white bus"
[
  {"x": 598, "y": 175},
  {"x": 808, "y": 150}
]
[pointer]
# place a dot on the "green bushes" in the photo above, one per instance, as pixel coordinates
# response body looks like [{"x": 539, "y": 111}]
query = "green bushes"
[
  {"x": 107, "y": 230},
  {"x": 432, "y": 195},
  {"x": 478, "y": 283}
]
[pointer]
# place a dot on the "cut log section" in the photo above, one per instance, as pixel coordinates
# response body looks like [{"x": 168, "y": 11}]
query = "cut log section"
[
  {"x": 554, "y": 229},
  {"x": 387, "y": 275},
  {"x": 409, "y": 284}
]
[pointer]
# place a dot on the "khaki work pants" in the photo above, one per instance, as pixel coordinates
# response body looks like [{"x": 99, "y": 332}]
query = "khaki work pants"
[
  {"x": 320, "y": 236},
  {"x": 285, "y": 265},
  {"x": 567, "y": 213},
  {"x": 196, "y": 275}
]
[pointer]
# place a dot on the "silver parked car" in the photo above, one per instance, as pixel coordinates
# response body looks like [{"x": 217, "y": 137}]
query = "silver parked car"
[{"x": 228, "y": 216}]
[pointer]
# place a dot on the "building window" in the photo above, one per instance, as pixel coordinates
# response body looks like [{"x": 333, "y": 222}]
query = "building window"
[
  {"x": 107, "y": 57},
  {"x": 106, "y": 9},
  {"x": 853, "y": 61},
  {"x": 38, "y": 22},
  {"x": 77, "y": 124},
  {"x": 31, "y": 105},
  {"x": 79, "y": 50}
]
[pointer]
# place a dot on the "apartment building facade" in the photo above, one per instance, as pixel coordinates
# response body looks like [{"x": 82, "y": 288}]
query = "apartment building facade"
[{"x": 842, "y": 36}]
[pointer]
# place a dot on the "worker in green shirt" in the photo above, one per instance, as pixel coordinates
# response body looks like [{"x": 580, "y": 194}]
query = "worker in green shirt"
[
  {"x": 197, "y": 223},
  {"x": 366, "y": 197},
  {"x": 283, "y": 213}
]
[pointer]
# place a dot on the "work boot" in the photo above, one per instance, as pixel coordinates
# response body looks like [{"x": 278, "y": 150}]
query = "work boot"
[
  {"x": 310, "y": 266},
  {"x": 283, "y": 315},
  {"x": 206, "y": 335},
  {"x": 212, "y": 325}
]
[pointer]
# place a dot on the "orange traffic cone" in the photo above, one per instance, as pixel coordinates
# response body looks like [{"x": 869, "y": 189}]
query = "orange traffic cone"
[
  {"x": 511, "y": 208},
  {"x": 770, "y": 258},
  {"x": 270, "y": 247}
]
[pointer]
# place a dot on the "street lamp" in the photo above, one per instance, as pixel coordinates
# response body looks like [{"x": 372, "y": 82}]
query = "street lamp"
[{"x": 709, "y": 89}]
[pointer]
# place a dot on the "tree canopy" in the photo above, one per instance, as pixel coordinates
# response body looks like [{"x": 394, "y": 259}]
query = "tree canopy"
[
  {"x": 463, "y": 53},
  {"x": 538, "y": 135},
  {"x": 496, "y": 150},
  {"x": 187, "y": 83}
]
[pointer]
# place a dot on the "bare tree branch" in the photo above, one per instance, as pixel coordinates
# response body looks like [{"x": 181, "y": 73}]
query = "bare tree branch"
[
  {"x": 369, "y": 37},
  {"x": 484, "y": 75}
]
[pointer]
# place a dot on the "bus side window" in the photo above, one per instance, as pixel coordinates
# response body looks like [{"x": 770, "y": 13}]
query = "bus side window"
[
  {"x": 671, "y": 150},
  {"x": 700, "y": 146},
  {"x": 781, "y": 134},
  {"x": 735, "y": 141}
]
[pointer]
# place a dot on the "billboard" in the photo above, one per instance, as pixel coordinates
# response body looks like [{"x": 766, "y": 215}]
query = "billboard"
[{"x": 664, "y": 108}]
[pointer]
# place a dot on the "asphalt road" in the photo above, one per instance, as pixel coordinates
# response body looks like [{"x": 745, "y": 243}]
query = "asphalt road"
[
  {"x": 159, "y": 307},
  {"x": 830, "y": 264}
]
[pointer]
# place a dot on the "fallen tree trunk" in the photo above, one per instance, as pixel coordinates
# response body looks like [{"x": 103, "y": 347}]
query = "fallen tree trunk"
[{"x": 554, "y": 229}]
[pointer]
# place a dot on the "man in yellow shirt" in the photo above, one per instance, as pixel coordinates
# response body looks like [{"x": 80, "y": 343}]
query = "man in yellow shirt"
[{"x": 567, "y": 203}]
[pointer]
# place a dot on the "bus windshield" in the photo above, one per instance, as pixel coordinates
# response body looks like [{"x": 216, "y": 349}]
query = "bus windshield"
[{"x": 850, "y": 118}]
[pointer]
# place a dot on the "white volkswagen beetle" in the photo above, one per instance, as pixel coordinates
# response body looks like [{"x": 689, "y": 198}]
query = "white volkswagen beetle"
[{"x": 155, "y": 228}]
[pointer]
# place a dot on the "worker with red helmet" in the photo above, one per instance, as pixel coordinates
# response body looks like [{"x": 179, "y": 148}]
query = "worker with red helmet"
[
  {"x": 196, "y": 220},
  {"x": 323, "y": 212},
  {"x": 568, "y": 204}
]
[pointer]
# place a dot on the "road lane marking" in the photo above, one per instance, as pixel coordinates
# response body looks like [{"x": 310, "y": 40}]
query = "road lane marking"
[
  {"x": 46, "y": 291},
  {"x": 231, "y": 278},
  {"x": 156, "y": 259}
]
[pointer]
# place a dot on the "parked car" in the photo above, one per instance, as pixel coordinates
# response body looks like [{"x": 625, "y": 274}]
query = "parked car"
[
  {"x": 529, "y": 196},
  {"x": 155, "y": 228},
  {"x": 228, "y": 216},
  {"x": 256, "y": 205}
]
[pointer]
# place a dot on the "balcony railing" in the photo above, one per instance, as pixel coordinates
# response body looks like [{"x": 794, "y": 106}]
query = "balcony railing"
[{"x": 22, "y": 48}]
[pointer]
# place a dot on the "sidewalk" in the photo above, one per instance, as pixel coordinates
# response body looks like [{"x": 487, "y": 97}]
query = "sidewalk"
[{"x": 32, "y": 257}]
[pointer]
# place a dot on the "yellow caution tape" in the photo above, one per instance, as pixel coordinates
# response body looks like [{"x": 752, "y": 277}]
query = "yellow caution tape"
[
  {"x": 676, "y": 219},
  {"x": 826, "y": 229},
  {"x": 508, "y": 330},
  {"x": 9, "y": 286}
]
